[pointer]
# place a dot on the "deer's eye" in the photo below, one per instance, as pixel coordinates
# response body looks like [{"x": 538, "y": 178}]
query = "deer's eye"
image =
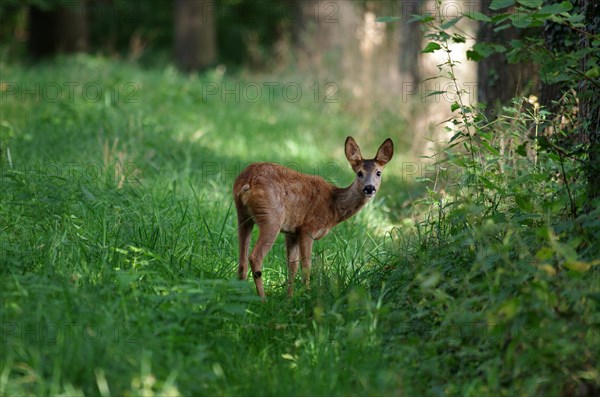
[
  {"x": 378, "y": 173},
  {"x": 359, "y": 174}
]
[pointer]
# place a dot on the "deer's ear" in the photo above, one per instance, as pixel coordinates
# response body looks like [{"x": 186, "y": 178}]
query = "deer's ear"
[
  {"x": 385, "y": 152},
  {"x": 353, "y": 152}
]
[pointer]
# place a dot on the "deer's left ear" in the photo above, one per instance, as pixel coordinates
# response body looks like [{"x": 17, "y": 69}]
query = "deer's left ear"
[{"x": 385, "y": 152}]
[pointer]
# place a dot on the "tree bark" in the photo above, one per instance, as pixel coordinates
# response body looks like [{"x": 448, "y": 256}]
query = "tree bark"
[
  {"x": 410, "y": 39},
  {"x": 62, "y": 29},
  {"x": 589, "y": 105},
  {"x": 195, "y": 34},
  {"x": 499, "y": 81},
  {"x": 557, "y": 39}
]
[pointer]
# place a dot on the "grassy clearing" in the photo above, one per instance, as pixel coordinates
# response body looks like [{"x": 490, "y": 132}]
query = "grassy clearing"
[
  {"x": 119, "y": 245},
  {"x": 118, "y": 251}
]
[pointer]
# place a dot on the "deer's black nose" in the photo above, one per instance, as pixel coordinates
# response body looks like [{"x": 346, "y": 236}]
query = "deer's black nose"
[{"x": 369, "y": 190}]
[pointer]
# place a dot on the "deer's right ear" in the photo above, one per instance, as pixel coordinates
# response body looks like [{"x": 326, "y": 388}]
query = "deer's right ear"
[{"x": 353, "y": 152}]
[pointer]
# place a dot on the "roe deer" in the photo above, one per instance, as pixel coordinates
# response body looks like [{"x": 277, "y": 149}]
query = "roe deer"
[{"x": 304, "y": 207}]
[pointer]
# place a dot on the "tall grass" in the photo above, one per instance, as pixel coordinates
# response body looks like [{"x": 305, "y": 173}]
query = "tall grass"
[
  {"x": 118, "y": 256},
  {"x": 119, "y": 245}
]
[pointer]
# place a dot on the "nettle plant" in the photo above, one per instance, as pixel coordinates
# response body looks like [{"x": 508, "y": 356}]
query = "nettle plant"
[{"x": 524, "y": 161}]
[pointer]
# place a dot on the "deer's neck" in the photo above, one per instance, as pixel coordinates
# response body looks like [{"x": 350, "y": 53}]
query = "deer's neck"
[{"x": 347, "y": 201}]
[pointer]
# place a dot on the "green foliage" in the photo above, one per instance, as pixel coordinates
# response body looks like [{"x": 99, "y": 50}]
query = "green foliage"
[
  {"x": 501, "y": 268},
  {"x": 560, "y": 65},
  {"x": 118, "y": 246}
]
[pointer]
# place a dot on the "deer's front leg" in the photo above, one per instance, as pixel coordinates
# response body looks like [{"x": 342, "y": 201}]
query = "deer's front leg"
[{"x": 306, "y": 244}]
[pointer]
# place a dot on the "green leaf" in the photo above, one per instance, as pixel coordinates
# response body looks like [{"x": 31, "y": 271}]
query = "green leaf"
[
  {"x": 454, "y": 107},
  {"x": 488, "y": 184},
  {"x": 523, "y": 21},
  {"x": 516, "y": 43},
  {"x": 531, "y": 3},
  {"x": 508, "y": 309},
  {"x": 545, "y": 253},
  {"x": 502, "y": 27},
  {"x": 499, "y": 48},
  {"x": 577, "y": 266},
  {"x": 485, "y": 134},
  {"x": 473, "y": 55},
  {"x": 431, "y": 47},
  {"x": 482, "y": 50},
  {"x": 565, "y": 6},
  {"x": 432, "y": 93},
  {"x": 388, "y": 19},
  {"x": 457, "y": 135},
  {"x": 421, "y": 18},
  {"x": 458, "y": 38},
  {"x": 499, "y": 4},
  {"x": 490, "y": 148},
  {"x": 576, "y": 19},
  {"x": 478, "y": 16},
  {"x": 450, "y": 23},
  {"x": 593, "y": 73},
  {"x": 498, "y": 18},
  {"x": 524, "y": 202}
]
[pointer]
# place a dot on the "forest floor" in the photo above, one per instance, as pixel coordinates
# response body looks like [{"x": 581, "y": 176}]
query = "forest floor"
[{"x": 118, "y": 252}]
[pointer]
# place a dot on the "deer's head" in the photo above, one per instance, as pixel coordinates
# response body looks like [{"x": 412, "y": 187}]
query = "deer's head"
[{"x": 368, "y": 172}]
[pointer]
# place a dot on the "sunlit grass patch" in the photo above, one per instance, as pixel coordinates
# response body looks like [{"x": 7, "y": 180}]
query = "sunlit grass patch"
[{"x": 119, "y": 244}]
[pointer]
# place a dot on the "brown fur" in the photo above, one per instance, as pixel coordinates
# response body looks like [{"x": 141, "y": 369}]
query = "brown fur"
[{"x": 304, "y": 207}]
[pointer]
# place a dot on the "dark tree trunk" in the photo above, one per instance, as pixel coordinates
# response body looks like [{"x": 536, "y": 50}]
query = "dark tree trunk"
[
  {"x": 195, "y": 34},
  {"x": 312, "y": 25},
  {"x": 499, "y": 81},
  {"x": 589, "y": 104},
  {"x": 410, "y": 40},
  {"x": 557, "y": 39},
  {"x": 298, "y": 17},
  {"x": 62, "y": 29}
]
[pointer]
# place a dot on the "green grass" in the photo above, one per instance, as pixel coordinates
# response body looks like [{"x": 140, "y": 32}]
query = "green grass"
[
  {"x": 119, "y": 254},
  {"x": 119, "y": 244}
]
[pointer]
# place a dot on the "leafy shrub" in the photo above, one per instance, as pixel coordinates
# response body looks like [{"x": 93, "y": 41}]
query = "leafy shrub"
[{"x": 500, "y": 271}]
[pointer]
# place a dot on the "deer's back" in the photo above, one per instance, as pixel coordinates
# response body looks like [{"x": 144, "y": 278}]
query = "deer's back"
[{"x": 269, "y": 191}]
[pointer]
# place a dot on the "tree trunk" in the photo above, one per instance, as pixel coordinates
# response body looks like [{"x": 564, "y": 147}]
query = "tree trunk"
[
  {"x": 557, "y": 39},
  {"x": 410, "y": 39},
  {"x": 62, "y": 29},
  {"x": 195, "y": 34},
  {"x": 589, "y": 105},
  {"x": 499, "y": 81}
]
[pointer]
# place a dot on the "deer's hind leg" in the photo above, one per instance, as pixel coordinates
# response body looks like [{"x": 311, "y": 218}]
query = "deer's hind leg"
[
  {"x": 245, "y": 226},
  {"x": 268, "y": 232}
]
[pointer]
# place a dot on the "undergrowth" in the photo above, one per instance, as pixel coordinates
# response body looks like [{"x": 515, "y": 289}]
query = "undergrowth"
[
  {"x": 497, "y": 283},
  {"x": 118, "y": 250}
]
